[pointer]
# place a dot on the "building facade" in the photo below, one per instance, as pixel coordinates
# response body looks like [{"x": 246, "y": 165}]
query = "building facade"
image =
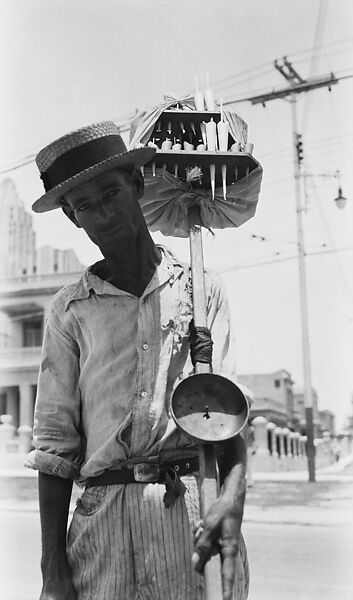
[
  {"x": 282, "y": 403},
  {"x": 24, "y": 302},
  {"x": 29, "y": 277},
  {"x": 52, "y": 260},
  {"x": 17, "y": 238},
  {"x": 299, "y": 403},
  {"x": 327, "y": 421},
  {"x": 273, "y": 397}
]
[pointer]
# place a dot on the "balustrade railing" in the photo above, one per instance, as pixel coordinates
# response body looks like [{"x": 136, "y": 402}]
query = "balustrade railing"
[{"x": 279, "y": 448}]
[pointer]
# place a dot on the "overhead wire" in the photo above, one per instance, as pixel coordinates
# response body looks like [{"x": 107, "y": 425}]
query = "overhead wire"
[
  {"x": 329, "y": 45},
  {"x": 308, "y": 51},
  {"x": 124, "y": 121},
  {"x": 280, "y": 260},
  {"x": 322, "y": 13}
]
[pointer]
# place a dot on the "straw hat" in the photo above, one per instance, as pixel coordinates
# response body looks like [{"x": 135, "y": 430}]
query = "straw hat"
[{"x": 80, "y": 155}]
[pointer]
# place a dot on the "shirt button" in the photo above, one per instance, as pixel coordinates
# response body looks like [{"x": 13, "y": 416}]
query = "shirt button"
[
  {"x": 144, "y": 394},
  {"x": 145, "y": 346}
]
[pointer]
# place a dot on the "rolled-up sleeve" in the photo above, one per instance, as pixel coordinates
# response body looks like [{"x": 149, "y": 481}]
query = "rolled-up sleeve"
[{"x": 56, "y": 433}]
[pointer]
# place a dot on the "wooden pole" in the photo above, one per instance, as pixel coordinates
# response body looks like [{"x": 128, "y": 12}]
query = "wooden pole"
[{"x": 209, "y": 488}]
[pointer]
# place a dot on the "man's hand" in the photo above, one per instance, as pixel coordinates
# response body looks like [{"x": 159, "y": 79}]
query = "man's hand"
[
  {"x": 221, "y": 527},
  {"x": 57, "y": 584},
  {"x": 220, "y": 532},
  {"x": 58, "y": 590}
]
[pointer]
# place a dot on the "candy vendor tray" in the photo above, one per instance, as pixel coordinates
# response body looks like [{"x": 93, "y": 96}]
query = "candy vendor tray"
[{"x": 186, "y": 128}]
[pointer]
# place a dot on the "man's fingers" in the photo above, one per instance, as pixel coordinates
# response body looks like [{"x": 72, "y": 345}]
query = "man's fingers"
[
  {"x": 197, "y": 530},
  {"x": 229, "y": 550},
  {"x": 204, "y": 546},
  {"x": 205, "y": 540},
  {"x": 203, "y": 551},
  {"x": 228, "y": 572}
]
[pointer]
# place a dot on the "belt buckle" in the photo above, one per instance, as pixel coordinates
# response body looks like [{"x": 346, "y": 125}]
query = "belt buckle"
[{"x": 146, "y": 472}]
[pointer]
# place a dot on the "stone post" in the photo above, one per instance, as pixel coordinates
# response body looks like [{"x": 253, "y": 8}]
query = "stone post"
[
  {"x": 279, "y": 434},
  {"x": 302, "y": 441},
  {"x": 7, "y": 432},
  {"x": 262, "y": 458},
  {"x": 296, "y": 444},
  {"x": 261, "y": 435},
  {"x": 24, "y": 439},
  {"x": 286, "y": 447},
  {"x": 271, "y": 429},
  {"x": 292, "y": 444}
]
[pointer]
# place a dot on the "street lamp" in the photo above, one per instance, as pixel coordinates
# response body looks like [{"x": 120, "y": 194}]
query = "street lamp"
[{"x": 340, "y": 200}]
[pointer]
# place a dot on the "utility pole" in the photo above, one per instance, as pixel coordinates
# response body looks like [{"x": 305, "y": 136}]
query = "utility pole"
[
  {"x": 290, "y": 74},
  {"x": 298, "y": 85}
]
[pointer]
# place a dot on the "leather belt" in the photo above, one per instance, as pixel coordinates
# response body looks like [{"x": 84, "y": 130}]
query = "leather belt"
[{"x": 146, "y": 472}]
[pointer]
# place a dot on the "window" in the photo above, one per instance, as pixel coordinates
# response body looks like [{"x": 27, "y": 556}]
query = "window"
[
  {"x": 277, "y": 383},
  {"x": 32, "y": 333}
]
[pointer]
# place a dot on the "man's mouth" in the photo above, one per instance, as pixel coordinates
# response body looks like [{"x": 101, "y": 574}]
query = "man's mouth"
[{"x": 110, "y": 230}]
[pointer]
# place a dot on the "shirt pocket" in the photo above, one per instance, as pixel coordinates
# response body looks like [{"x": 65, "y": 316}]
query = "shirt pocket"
[{"x": 91, "y": 500}]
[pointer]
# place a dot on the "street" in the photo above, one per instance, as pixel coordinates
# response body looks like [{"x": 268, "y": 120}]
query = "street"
[
  {"x": 299, "y": 562},
  {"x": 287, "y": 561}
]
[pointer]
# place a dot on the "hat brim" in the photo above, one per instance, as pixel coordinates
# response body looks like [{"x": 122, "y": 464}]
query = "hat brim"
[{"x": 132, "y": 158}]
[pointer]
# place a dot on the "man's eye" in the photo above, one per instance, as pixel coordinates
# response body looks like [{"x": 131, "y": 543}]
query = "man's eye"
[
  {"x": 82, "y": 207},
  {"x": 111, "y": 194}
]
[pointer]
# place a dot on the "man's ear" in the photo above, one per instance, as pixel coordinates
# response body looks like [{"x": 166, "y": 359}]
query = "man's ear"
[
  {"x": 67, "y": 210},
  {"x": 139, "y": 182}
]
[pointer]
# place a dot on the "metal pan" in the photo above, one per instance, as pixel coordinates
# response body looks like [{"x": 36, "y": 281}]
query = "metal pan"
[{"x": 209, "y": 407}]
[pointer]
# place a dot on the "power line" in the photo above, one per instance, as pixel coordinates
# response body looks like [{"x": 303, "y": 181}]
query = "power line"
[
  {"x": 269, "y": 64},
  {"x": 284, "y": 259},
  {"x": 308, "y": 50},
  {"x": 124, "y": 122}
]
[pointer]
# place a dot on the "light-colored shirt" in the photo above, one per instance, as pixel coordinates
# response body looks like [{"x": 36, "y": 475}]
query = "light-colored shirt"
[{"x": 109, "y": 364}]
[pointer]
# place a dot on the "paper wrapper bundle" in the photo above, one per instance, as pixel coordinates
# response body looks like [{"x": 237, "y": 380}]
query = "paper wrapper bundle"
[
  {"x": 167, "y": 197},
  {"x": 144, "y": 122}
]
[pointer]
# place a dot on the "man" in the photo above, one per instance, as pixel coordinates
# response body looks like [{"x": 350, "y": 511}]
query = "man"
[{"x": 115, "y": 345}]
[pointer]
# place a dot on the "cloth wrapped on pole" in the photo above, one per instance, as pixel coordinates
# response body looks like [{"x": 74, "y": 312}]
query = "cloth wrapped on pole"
[{"x": 167, "y": 200}]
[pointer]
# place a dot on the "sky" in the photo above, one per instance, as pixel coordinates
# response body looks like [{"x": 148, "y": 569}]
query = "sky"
[{"x": 65, "y": 64}]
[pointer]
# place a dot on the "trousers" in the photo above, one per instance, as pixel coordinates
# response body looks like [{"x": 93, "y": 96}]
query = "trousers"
[{"x": 124, "y": 544}]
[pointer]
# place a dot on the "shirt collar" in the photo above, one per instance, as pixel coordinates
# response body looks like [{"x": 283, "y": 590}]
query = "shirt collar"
[{"x": 169, "y": 269}]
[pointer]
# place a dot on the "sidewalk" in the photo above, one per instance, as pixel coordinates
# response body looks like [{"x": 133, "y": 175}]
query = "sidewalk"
[
  {"x": 325, "y": 503},
  {"x": 278, "y": 498},
  {"x": 288, "y": 497}
]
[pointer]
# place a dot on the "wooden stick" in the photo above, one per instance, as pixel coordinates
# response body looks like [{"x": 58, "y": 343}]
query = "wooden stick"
[
  {"x": 208, "y": 495},
  {"x": 207, "y": 453}
]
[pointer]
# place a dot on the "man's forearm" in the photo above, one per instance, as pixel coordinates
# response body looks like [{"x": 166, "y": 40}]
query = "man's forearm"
[
  {"x": 54, "y": 502},
  {"x": 231, "y": 458}
]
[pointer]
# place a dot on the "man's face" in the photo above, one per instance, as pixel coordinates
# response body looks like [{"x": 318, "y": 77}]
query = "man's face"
[{"x": 107, "y": 208}]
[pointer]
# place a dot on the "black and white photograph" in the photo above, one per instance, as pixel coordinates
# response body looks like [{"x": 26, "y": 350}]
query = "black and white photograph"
[{"x": 176, "y": 300}]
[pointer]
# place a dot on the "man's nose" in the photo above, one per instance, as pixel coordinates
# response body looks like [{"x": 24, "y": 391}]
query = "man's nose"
[{"x": 104, "y": 211}]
